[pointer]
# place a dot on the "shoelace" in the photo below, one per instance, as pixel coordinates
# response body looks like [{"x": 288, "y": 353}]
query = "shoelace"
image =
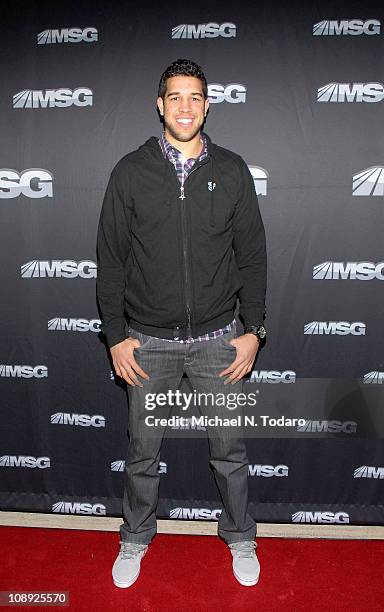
[
  {"x": 129, "y": 550},
  {"x": 245, "y": 549}
]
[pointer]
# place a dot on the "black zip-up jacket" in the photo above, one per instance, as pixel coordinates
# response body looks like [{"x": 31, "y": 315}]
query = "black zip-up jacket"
[{"x": 174, "y": 267}]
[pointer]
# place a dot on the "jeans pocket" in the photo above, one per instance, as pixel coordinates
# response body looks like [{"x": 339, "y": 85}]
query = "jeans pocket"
[
  {"x": 142, "y": 338},
  {"x": 225, "y": 339}
]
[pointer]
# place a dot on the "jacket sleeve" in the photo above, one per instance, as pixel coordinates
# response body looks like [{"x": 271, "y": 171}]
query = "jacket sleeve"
[
  {"x": 250, "y": 251},
  {"x": 113, "y": 248}
]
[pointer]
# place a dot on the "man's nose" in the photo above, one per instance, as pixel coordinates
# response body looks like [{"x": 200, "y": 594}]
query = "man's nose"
[{"x": 185, "y": 105}]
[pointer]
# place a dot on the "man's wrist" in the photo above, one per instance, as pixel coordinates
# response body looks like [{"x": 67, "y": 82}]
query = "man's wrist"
[
  {"x": 255, "y": 338},
  {"x": 258, "y": 331}
]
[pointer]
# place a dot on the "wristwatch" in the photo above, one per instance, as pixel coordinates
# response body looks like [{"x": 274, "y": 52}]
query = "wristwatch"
[{"x": 257, "y": 330}]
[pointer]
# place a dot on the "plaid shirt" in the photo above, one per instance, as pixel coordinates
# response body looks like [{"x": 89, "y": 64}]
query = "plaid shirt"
[
  {"x": 183, "y": 168},
  {"x": 176, "y": 158}
]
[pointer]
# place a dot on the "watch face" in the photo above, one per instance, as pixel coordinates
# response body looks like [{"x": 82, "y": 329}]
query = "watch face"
[{"x": 261, "y": 332}]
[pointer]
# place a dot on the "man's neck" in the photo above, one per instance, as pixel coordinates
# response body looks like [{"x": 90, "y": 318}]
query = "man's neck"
[{"x": 189, "y": 149}]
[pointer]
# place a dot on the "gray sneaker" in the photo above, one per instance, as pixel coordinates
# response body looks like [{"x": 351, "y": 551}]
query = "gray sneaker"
[
  {"x": 126, "y": 568},
  {"x": 245, "y": 564}
]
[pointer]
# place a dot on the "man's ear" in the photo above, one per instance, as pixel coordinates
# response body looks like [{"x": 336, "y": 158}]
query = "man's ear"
[
  {"x": 160, "y": 105},
  {"x": 206, "y": 107}
]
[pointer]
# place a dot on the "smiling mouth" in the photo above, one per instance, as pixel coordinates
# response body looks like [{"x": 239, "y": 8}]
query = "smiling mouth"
[{"x": 184, "y": 121}]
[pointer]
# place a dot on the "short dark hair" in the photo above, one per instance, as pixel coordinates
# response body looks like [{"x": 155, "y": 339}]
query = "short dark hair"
[{"x": 182, "y": 67}]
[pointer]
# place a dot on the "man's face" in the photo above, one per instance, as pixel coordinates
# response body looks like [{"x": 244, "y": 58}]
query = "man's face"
[{"x": 183, "y": 107}]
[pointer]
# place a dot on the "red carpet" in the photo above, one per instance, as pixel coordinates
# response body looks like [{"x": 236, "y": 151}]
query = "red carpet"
[{"x": 193, "y": 573}]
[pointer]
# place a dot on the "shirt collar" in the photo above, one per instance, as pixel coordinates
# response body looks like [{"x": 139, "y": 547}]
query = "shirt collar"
[{"x": 172, "y": 153}]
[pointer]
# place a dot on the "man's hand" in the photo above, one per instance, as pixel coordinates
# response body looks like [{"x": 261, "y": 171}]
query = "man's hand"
[
  {"x": 246, "y": 348},
  {"x": 124, "y": 362}
]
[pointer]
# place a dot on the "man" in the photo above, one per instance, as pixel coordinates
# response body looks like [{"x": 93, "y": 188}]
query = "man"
[{"x": 180, "y": 237}]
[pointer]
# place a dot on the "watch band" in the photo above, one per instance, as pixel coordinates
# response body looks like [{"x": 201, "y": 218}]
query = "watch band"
[{"x": 257, "y": 330}]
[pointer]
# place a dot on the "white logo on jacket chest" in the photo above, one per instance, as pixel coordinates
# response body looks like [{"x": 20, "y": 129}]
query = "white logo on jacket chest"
[{"x": 211, "y": 186}]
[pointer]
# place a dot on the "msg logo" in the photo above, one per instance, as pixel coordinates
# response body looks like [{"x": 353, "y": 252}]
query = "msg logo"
[
  {"x": 79, "y": 508},
  {"x": 232, "y": 93},
  {"x": 25, "y": 461},
  {"x": 267, "y": 471},
  {"x": 204, "y": 30},
  {"x": 71, "y": 35},
  {"x": 320, "y": 517},
  {"x": 23, "y": 371},
  {"x": 353, "y": 27},
  {"x": 32, "y": 183},
  {"x": 60, "y": 98},
  {"x": 78, "y": 325},
  {"x": 205, "y": 514}
]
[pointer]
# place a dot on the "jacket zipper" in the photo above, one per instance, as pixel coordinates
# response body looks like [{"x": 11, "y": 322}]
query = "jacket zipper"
[{"x": 187, "y": 284}]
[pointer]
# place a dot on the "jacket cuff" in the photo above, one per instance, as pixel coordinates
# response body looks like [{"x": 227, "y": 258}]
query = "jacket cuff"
[
  {"x": 252, "y": 316},
  {"x": 115, "y": 335}
]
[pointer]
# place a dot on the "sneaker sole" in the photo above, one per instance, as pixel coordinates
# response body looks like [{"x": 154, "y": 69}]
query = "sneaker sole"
[
  {"x": 125, "y": 585},
  {"x": 246, "y": 582}
]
